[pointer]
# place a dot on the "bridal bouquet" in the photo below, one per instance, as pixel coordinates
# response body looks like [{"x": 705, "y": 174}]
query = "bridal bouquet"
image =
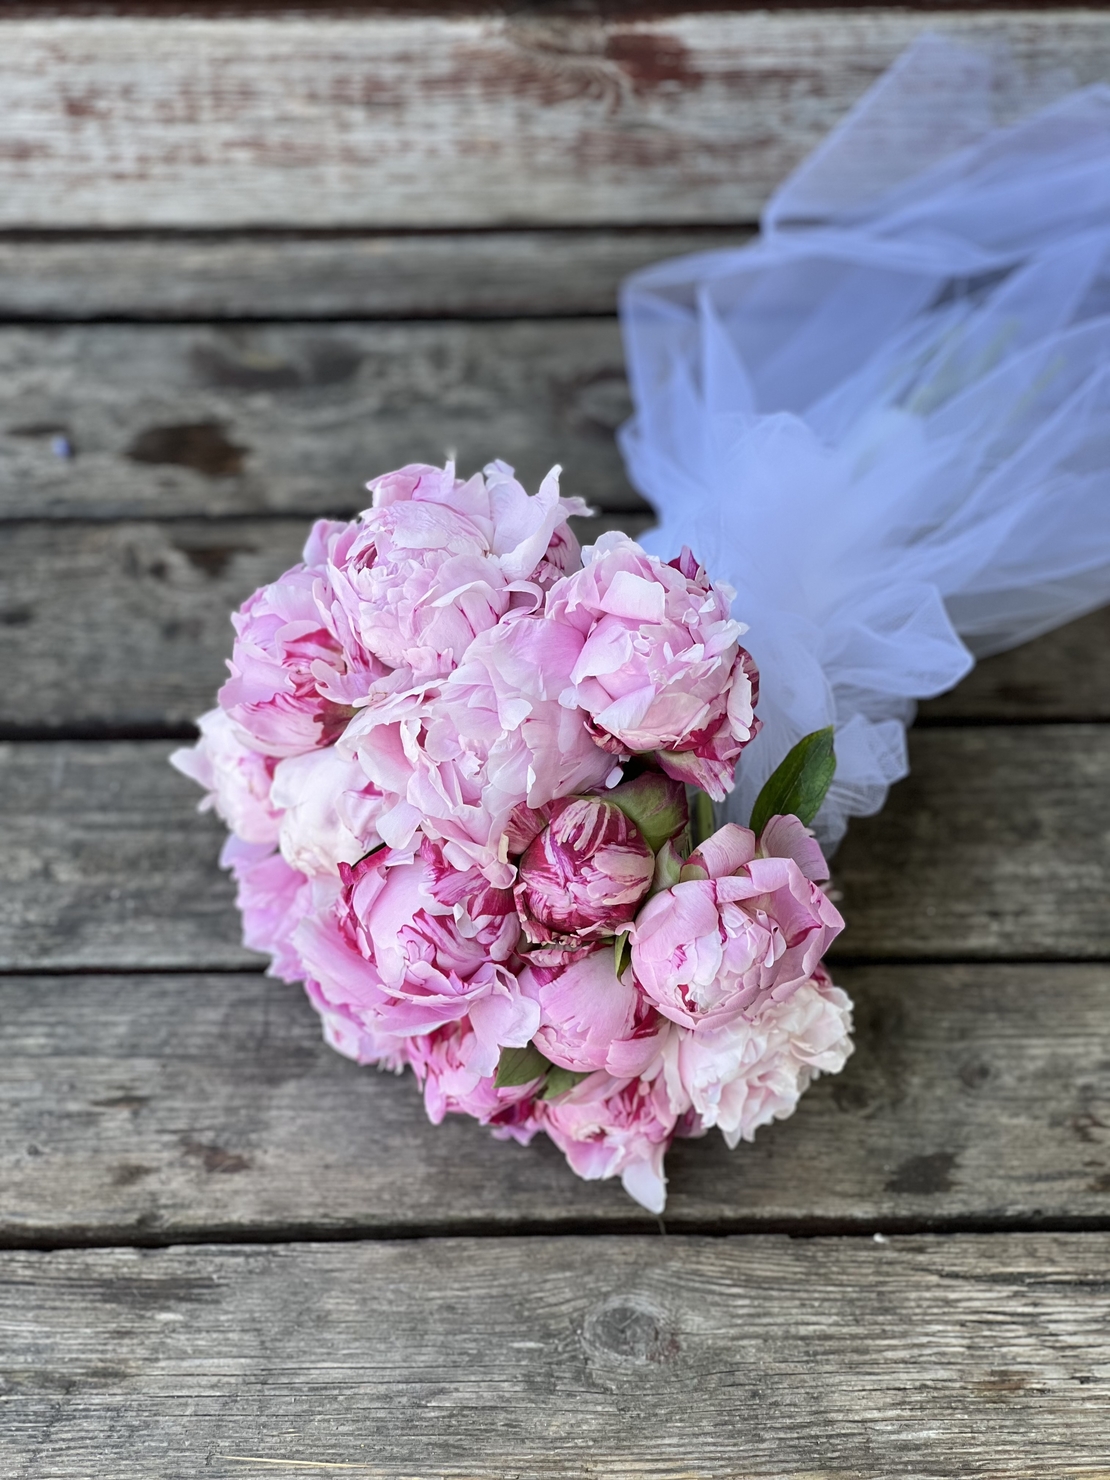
[{"x": 469, "y": 771}]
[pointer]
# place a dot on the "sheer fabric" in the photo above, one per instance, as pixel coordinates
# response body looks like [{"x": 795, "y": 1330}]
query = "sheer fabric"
[{"x": 887, "y": 422}]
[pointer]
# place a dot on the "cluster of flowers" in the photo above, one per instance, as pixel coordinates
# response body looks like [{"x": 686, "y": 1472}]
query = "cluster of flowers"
[{"x": 456, "y": 763}]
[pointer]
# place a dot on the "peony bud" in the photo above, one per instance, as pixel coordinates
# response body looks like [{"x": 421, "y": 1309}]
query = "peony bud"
[{"x": 582, "y": 877}]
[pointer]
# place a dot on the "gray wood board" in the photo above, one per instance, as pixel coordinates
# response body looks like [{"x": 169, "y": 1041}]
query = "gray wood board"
[
  {"x": 997, "y": 846},
  {"x": 141, "y": 637},
  {"x": 111, "y": 421},
  {"x": 640, "y": 1357},
  {"x": 394, "y": 120},
  {"x": 1063, "y": 675},
  {"x": 167, "y": 1108},
  {"x": 407, "y": 275}
]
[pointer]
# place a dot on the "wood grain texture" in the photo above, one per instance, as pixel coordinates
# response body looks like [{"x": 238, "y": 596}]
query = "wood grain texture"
[
  {"x": 139, "y": 644},
  {"x": 1063, "y": 675},
  {"x": 141, "y": 640},
  {"x": 147, "y": 1108},
  {"x": 997, "y": 846},
  {"x": 417, "y": 275},
  {"x": 388, "y": 120},
  {"x": 117, "y": 421},
  {"x": 642, "y": 1357}
]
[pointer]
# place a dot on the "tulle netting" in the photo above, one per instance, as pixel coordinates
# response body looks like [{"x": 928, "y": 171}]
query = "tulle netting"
[{"x": 887, "y": 422}]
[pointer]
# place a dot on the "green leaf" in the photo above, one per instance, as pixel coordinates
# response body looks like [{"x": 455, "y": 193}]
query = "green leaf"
[
  {"x": 655, "y": 803},
  {"x": 701, "y": 817},
  {"x": 520, "y": 1066},
  {"x": 560, "y": 1080},
  {"x": 622, "y": 952},
  {"x": 799, "y": 784}
]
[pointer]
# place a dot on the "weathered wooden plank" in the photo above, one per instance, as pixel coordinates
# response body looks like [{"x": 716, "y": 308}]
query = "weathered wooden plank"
[
  {"x": 414, "y": 275},
  {"x": 116, "y": 421},
  {"x": 1063, "y": 675},
  {"x": 139, "y": 640},
  {"x": 393, "y": 120},
  {"x": 105, "y": 861},
  {"x": 652, "y": 1357},
  {"x": 124, "y": 627},
  {"x": 183, "y": 1107},
  {"x": 997, "y": 846}
]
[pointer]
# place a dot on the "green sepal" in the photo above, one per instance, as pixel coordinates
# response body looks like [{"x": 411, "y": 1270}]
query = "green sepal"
[
  {"x": 701, "y": 817},
  {"x": 668, "y": 868},
  {"x": 622, "y": 953},
  {"x": 560, "y": 1080},
  {"x": 655, "y": 803},
  {"x": 797, "y": 787},
  {"x": 520, "y": 1066}
]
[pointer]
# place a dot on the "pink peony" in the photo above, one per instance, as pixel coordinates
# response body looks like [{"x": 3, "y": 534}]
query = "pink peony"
[
  {"x": 582, "y": 877},
  {"x": 590, "y": 1018},
  {"x": 355, "y": 1034},
  {"x": 383, "y": 948},
  {"x": 608, "y": 1127},
  {"x": 738, "y": 928},
  {"x": 443, "y": 1063},
  {"x": 329, "y": 811},
  {"x": 437, "y": 560},
  {"x": 748, "y": 1073},
  {"x": 655, "y": 661},
  {"x": 296, "y": 667},
  {"x": 454, "y": 760},
  {"x": 238, "y": 780},
  {"x": 272, "y": 898}
]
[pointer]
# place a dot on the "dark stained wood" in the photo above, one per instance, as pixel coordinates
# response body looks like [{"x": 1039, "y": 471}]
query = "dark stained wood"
[
  {"x": 140, "y": 639},
  {"x": 180, "y": 1107},
  {"x": 497, "y": 274},
  {"x": 395, "y": 120},
  {"x": 122, "y": 421},
  {"x": 642, "y": 1357},
  {"x": 997, "y": 846}
]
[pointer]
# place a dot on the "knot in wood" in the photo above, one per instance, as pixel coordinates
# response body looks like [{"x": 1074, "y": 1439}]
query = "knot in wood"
[{"x": 630, "y": 1328}]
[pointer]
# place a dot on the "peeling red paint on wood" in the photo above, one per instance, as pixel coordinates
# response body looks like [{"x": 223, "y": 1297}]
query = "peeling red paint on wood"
[{"x": 414, "y": 120}]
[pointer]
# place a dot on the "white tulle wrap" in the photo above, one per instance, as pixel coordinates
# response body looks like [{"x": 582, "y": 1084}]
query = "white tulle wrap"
[{"x": 887, "y": 422}]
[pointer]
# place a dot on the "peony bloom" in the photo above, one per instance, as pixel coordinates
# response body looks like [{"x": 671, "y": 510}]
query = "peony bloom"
[
  {"x": 655, "y": 661},
  {"x": 296, "y": 667},
  {"x": 273, "y": 899},
  {"x": 747, "y": 1073},
  {"x": 590, "y": 1018},
  {"x": 438, "y": 560},
  {"x": 443, "y": 1060},
  {"x": 329, "y": 811},
  {"x": 238, "y": 780},
  {"x": 355, "y": 1034},
  {"x": 380, "y": 946},
  {"x": 608, "y": 1127},
  {"x": 582, "y": 877},
  {"x": 739, "y": 927},
  {"x": 456, "y": 759}
]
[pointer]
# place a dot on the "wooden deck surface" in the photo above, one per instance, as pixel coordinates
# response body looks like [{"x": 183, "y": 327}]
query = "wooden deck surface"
[{"x": 246, "y": 261}]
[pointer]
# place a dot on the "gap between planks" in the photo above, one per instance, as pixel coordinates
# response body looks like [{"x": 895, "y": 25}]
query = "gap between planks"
[{"x": 273, "y": 276}]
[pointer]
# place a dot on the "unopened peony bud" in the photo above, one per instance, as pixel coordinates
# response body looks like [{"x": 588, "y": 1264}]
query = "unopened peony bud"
[{"x": 583, "y": 876}]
